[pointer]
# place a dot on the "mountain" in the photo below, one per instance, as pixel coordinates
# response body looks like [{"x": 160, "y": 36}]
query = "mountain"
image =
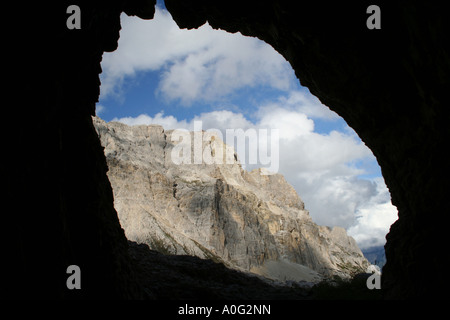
[{"x": 249, "y": 221}]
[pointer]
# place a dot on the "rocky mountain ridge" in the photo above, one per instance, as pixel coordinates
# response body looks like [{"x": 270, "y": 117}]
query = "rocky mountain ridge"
[{"x": 247, "y": 220}]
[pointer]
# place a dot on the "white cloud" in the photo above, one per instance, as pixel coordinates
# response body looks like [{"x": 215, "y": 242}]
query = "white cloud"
[
  {"x": 99, "y": 109},
  {"x": 168, "y": 122},
  {"x": 230, "y": 62},
  {"x": 200, "y": 64},
  {"x": 223, "y": 119},
  {"x": 302, "y": 102},
  {"x": 291, "y": 124},
  {"x": 321, "y": 167},
  {"x": 374, "y": 219}
]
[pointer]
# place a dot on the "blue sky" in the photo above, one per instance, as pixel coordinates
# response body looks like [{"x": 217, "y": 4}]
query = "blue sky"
[
  {"x": 161, "y": 74},
  {"x": 139, "y": 96}
]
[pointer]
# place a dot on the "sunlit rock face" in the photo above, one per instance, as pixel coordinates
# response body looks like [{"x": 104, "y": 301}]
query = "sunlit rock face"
[{"x": 252, "y": 221}]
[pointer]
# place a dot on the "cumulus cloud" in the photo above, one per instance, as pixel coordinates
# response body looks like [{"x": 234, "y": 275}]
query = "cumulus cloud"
[
  {"x": 99, "y": 109},
  {"x": 301, "y": 102},
  {"x": 201, "y": 64},
  {"x": 374, "y": 218},
  {"x": 168, "y": 122}
]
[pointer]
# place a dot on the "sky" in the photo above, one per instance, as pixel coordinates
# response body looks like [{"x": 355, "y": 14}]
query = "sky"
[{"x": 163, "y": 75}]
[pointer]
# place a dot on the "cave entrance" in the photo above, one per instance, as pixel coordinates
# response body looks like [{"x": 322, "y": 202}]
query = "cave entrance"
[{"x": 181, "y": 79}]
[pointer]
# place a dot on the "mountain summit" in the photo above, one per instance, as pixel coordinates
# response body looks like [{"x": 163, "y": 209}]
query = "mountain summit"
[{"x": 249, "y": 221}]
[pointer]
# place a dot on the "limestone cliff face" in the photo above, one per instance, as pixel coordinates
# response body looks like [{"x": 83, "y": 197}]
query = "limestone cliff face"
[{"x": 247, "y": 220}]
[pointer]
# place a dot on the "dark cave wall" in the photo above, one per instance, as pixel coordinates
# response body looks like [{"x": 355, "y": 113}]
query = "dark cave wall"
[
  {"x": 58, "y": 198},
  {"x": 389, "y": 85}
]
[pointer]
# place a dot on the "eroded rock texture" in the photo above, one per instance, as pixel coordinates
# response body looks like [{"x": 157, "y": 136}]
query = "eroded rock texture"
[
  {"x": 248, "y": 220},
  {"x": 390, "y": 85}
]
